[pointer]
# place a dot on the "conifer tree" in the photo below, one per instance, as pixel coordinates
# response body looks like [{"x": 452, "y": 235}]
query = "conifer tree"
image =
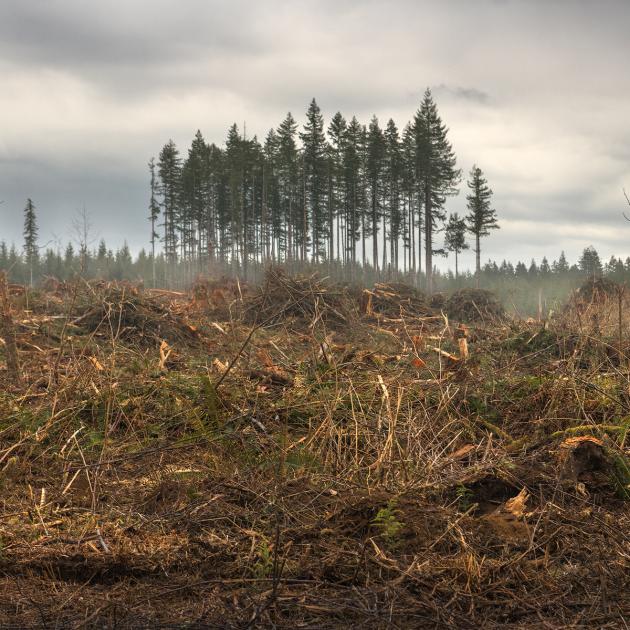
[
  {"x": 31, "y": 250},
  {"x": 392, "y": 185},
  {"x": 410, "y": 192},
  {"x": 561, "y": 266},
  {"x": 354, "y": 191},
  {"x": 481, "y": 216},
  {"x": 455, "y": 238},
  {"x": 194, "y": 189},
  {"x": 375, "y": 162},
  {"x": 336, "y": 190},
  {"x": 590, "y": 263},
  {"x": 154, "y": 213},
  {"x": 314, "y": 156},
  {"x": 170, "y": 170},
  {"x": 288, "y": 174},
  {"x": 436, "y": 173}
]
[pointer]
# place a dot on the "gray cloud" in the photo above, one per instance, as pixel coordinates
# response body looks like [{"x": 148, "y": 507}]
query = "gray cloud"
[
  {"x": 534, "y": 92},
  {"x": 458, "y": 92}
]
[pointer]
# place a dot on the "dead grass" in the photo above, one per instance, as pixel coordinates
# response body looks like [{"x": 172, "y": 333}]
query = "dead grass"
[{"x": 351, "y": 467}]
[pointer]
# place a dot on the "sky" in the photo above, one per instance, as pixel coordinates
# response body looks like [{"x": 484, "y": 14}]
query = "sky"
[{"x": 535, "y": 92}]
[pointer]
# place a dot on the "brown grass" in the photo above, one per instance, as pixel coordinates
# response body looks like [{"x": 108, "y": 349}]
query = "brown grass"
[{"x": 362, "y": 473}]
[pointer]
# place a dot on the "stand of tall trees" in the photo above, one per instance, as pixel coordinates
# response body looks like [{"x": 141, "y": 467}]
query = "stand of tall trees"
[{"x": 346, "y": 194}]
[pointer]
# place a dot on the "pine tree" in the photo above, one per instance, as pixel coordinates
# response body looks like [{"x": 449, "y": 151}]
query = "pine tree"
[
  {"x": 235, "y": 182},
  {"x": 455, "y": 238},
  {"x": 481, "y": 216},
  {"x": 435, "y": 171},
  {"x": 194, "y": 207},
  {"x": 375, "y": 162},
  {"x": 170, "y": 171},
  {"x": 270, "y": 217},
  {"x": 561, "y": 266},
  {"x": 31, "y": 250},
  {"x": 545, "y": 269},
  {"x": 154, "y": 213},
  {"x": 590, "y": 263},
  {"x": 288, "y": 174},
  {"x": 409, "y": 187},
  {"x": 314, "y": 156},
  {"x": 392, "y": 185},
  {"x": 336, "y": 190},
  {"x": 354, "y": 192}
]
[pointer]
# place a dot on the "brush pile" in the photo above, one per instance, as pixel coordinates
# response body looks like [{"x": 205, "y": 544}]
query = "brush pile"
[
  {"x": 129, "y": 314},
  {"x": 595, "y": 290},
  {"x": 394, "y": 300},
  {"x": 474, "y": 305},
  {"x": 305, "y": 298}
]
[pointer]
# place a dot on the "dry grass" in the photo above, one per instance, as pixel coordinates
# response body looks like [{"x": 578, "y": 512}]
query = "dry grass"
[{"x": 364, "y": 474}]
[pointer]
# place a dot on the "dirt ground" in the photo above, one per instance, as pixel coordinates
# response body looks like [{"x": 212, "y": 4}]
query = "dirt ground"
[{"x": 304, "y": 454}]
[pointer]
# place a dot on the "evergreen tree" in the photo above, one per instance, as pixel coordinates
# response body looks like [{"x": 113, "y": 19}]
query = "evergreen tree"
[
  {"x": 170, "y": 171},
  {"x": 590, "y": 263},
  {"x": 374, "y": 166},
  {"x": 314, "y": 173},
  {"x": 193, "y": 221},
  {"x": 392, "y": 186},
  {"x": 354, "y": 192},
  {"x": 561, "y": 266},
  {"x": 336, "y": 190},
  {"x": 31, "y": 250},
  {"x": 410, "y": 194},
  {"x": 435, "y": 171},
  {"x": 545, "y": 269},
  {"x": 154, "y": 213},
  {"x": 288, "y": 176},
  {"x": 455, "y": 238},
  {"x": 481, "y": 216}
]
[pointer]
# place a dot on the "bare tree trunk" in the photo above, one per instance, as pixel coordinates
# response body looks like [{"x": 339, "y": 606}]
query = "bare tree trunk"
[
  {"x": 478, "y": 260},
  {"x": 428, "y": 240}
]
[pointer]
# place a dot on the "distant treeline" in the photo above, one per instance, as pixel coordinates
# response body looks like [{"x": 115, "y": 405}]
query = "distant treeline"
[{"x": 522, "y": 287}]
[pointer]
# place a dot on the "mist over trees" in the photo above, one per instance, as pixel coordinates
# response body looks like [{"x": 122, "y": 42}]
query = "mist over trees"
[
  {"x": 360, "y": 202},
  {"x": 352, "y": 196}
]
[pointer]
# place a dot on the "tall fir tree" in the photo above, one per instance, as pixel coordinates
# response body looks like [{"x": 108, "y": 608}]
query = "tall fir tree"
[
  {"x": 170, "y": 171},
  {"x": 392, "y": 175},
  {"x": 375, "y": 163},
  {"x": 590, "y": 263},
  {"x": 336, "y": 190},
  {"x": 455, "y": 238},
  {"x": 436, "y": 172},
  {"x": 481, "y": 216},
  {"x": 314, "y": 157},
  {"x": 31, "y": 250},
  {"x": 288, "y": 176},
  {"x": 154, "y": 213}
]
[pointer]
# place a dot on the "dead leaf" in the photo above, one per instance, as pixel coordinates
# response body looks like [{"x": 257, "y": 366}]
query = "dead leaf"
[
  {"x": 460, "y": 453},
  {"x": 418, "y": 363},
  {"x": 95, "y": 362}
]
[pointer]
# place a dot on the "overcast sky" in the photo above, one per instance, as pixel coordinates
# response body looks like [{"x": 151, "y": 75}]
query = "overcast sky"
[{"x": 536, "y": 92}]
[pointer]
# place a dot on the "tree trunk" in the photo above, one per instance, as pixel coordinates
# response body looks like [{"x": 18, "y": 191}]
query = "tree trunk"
[
  {"x": 428, "y": 240},
  {"x": 478, "y": 259}
]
